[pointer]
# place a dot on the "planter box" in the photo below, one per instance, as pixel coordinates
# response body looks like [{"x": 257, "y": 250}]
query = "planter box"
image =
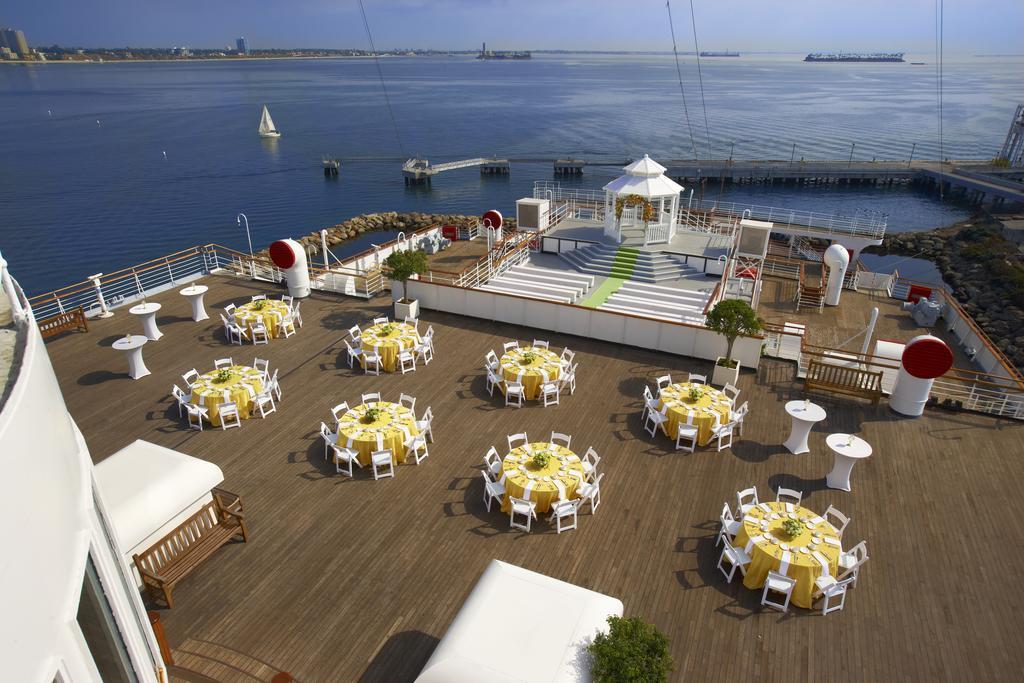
[
  {"x": 723, "y": 375},
  {"x": 409, "y": 310}
]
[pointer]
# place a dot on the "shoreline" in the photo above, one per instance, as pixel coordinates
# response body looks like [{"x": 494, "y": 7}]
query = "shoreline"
[{"x": 26, "y": 62}]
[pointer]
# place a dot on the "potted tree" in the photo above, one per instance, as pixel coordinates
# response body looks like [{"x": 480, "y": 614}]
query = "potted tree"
[
  {"x": 400, "y": 266},
  {"x": 631, "y": 650},
  {"x": 730, "y": 318}
]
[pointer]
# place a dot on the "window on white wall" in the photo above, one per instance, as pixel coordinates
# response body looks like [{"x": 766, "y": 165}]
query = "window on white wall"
[{"x": 96, "y": 620}]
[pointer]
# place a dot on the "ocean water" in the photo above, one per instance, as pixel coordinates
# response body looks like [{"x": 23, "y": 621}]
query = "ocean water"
[{"x": 85, "y": 185}]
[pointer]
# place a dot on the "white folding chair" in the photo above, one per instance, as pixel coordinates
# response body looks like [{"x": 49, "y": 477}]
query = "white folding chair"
[
  {"x": 731, "y": 391},
  {"x": 407, "y": 361},
  {"x": 339, "y": 411},
  {"x": 383, "y": 464},
  {"x": 568, "y": 378},
  {"x": 417, "y": 448},
  {"x": 347, "y": 457},
  {"x": 237, "y": 333},
  {"x": 426, "y": 425},
  {"x": 567, "y": 357},
  {"x": 371, "y": 397},
  {"x": 686, "y": 439},
  {"x": 739, "y": 415},
  {"x": 551, "y": 393},
  {"x": 491, "y": 360},
  {"x": 429, "y": 337},
  {"x": 424, "y": 350},
  {"x": 414, "y": 323},
  {"x": 590, "y": 492},
  {"x": 286, "y": 324},
  {"x": 697, "y": 379},
  {"x": 493, "y": 491},
  {"x": 223, "y": 363},
  {"x": 371, "y": 362},
  {"x": 514, "y": 394},
  {"x": 229, "y": 417},
  {"x": 834, "y": 517},
  {"x": 380, "y": 321},
  {"x": 407, "y": 401},
  {"x": 663, "y": 381},
  {"x": 539, "y": 344},
  {"x": 353, "y": 353},
  {"x": 180, "y": 397},
  {"x": 190, "y": 378},
  {"x": 492, "y": 381},
  {"x": 589, "y": 462},
  {"x": 729, "y": 526},
  {"x": 330, "y": 438},
  {"x": 562, "y": 511},
  {"x": 777, "y": 584},
  {"x": 260, "y": 334},
  {"x": 656, "y": 418},
  {"x": 297, "y": 313},
  {"x": 263, "y": 366},
  {"x": 851, "y": 561},
  {"x": 492, "y": 461},
  {"x": 230, "y": 310},
  {"x": 508, "y": 346},
  {"x": 746, "y": 499},
  {"x": 784, "y": 495},
  {"x": 832, "y": 590},
  {"x": 259, "y": 297},
  {"x": 196, "y": 415},
  {"x": 723, "y": 435},
  {"x": 275, "y": 386},
  {"x": 262, "y": 400},
  {"x": 523, "y": 508},
  {"x": 560, "y": 439},
  {"x": 736, "y": 558},
  {"x": 517, "y": 440},
  {"x": 288, "y": 299},
  {"x": 650, "y": 403},
  {"x": 354, "y": 333}
]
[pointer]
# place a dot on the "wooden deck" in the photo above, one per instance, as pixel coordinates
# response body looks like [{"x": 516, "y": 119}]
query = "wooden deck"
[{"x": 358, "y": 580}]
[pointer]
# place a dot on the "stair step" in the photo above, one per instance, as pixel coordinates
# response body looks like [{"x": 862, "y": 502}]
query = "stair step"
[
  {"x": 661, "y": 306},
  {"x": 665, "y": 293}
]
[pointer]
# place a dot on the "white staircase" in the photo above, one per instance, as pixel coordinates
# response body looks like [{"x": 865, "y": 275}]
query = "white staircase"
[
  {"x": 655, "y": 301},
  {"x": 650, "y": 266},
  {"x": 535, "y": 282}
]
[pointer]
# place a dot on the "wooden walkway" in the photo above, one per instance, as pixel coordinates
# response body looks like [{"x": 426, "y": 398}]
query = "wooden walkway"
[{"x": 358, "y": 580}]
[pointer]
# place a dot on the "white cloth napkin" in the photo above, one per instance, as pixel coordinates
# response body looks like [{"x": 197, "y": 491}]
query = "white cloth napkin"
[
  {"x": 833, "y": 541},
  {"x": 751, "y": 542},
  {"x": 823, "y": 561},
  {"x": 784, "y": 563}
]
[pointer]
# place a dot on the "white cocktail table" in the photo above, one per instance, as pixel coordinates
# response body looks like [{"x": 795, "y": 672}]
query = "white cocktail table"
[
  {"x": 847, "y": 454},
  {"x": 804, "y": 414},
  {"x": 132, "y": 347},
  {"x": 147, "y": 313},
  {"x": 194, "y": 294}
]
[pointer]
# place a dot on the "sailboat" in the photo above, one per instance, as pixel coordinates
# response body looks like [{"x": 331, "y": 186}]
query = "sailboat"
[{"x": 267, "y": 129}]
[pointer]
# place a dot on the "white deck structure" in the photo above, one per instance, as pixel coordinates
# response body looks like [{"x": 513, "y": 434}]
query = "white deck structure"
[
  {"x": 645, "y": 178},
  {"x": 551, "y": 648}
]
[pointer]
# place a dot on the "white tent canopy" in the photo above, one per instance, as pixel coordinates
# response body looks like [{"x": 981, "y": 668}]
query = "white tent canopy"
[
  {"x": 645, "y": 177},
  {"x": 520, "y": 626},
  {"x": 146, "y": 487}
]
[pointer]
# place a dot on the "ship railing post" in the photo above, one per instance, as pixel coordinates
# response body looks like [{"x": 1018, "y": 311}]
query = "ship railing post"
[
  {"x": 170, "y": 271},
  {"x": 104, "y": 311}
]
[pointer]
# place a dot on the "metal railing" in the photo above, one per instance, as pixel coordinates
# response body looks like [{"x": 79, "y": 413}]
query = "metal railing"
[
  {"x": 20, "y": 307},
  {"x": 869, "y": 224}
]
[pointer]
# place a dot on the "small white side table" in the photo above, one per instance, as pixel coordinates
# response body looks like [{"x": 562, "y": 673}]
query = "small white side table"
[
  {"x": 194, "y": 294},
  {"x": 132, "y": 348},
  {"x": 147, "y": 313},
  {"x": 804, "y": 415},
  {"x": 847, "y": 453}
]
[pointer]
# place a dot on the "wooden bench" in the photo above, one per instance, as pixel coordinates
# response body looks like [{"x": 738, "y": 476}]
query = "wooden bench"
[
  {"x": 840, "y": 379},
  {"x": 63, "y": 322},
  {"x": 175, "y": 555}
]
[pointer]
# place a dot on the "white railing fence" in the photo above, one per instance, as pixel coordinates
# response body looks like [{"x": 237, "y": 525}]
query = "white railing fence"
[{"x": 862, "y": 224}]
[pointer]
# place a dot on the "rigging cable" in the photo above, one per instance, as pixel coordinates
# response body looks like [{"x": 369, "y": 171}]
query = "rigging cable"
[
  {"x": 380, "y": 74},
  {"x": 700, "y": 79},
  {"x": 679, "y": 73},
  {"x": 938, "y": 82}
]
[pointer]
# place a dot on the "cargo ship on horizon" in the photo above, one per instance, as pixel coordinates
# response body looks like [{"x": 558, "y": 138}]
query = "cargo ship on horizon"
[
  {"x": 855, "y": 57},
  {"x": 718, "y": 53}
]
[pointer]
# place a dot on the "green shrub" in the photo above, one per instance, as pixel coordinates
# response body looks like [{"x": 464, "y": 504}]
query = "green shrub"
[
  {"x": 632, "y": 651},
  {"x": 402, "y": 265}
]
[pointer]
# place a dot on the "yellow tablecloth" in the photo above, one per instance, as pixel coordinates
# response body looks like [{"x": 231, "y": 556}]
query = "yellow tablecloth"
[
  {"x": 401, "y": 338},
  {"x": 546, "y": 367},
  {"x": 706, "y": 413},
  {"x": 767, "y": 556},
  {"x": 247, "y": 315},
  {"x": 241, "y": 387},
  {"x": 558, "y": 479},
  {"x": 392, "y": 429}
]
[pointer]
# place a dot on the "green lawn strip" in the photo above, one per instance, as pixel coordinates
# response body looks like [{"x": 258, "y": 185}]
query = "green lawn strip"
[{"x": 622, "y": 266}]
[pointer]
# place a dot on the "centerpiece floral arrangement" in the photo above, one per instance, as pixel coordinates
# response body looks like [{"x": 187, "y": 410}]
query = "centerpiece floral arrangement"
[
  {"x": 792, "y": 527},
  {"x": 386, "y": 329},
  {"x": 540, "y": 459},
  {"x": 259, "y": 304},
  {"x": 528, "y": 358},
  {"x": 222, "y": 375},
  {"x": 371, "y": 415},
  {"x": 696, "y": 393}
]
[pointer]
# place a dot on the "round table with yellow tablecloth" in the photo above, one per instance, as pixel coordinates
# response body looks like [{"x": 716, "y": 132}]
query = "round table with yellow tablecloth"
[
  {"x": 393, "y": 428},
  {"x": 560, "y": 478},
  {"x": 242, "y": 385},
  {"x": 271, "y": 313},
  {"x": 517, "y": 366},
  {"x": 710, "y": 410},
  {"x": 800, "y": 557},
  {"x": 388, "y": 340}
]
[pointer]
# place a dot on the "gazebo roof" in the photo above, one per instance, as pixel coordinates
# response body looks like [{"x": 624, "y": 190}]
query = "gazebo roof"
[{"x": 646, "y": 178}]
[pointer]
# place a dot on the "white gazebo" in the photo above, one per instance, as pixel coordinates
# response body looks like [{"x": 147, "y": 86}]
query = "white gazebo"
[{"x": 646, "y": 179}]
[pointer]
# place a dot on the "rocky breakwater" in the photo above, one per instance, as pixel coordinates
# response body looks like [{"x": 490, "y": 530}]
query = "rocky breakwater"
[{"x": 985, "y": 271}]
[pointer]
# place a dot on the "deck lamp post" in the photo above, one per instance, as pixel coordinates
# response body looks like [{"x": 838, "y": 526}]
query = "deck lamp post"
[{"x": 238, "y": 219}]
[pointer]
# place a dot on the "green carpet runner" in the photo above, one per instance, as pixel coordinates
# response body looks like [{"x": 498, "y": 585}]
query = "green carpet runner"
[{"x": 621, "y": 270}]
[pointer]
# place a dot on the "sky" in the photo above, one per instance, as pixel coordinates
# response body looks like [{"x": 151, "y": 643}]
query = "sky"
[{"x": 970, "y": 26}]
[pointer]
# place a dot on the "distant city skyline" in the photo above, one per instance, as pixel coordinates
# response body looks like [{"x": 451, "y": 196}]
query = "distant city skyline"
[{"x": 983, "y": 26}]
